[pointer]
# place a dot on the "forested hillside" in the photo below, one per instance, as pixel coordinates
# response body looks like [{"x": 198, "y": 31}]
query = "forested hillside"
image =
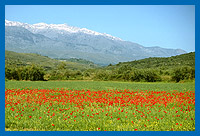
[
  {"x": 30, "y": 66},
  {"x": 175, "y": 68},
  {"x": 23, "y": 59},
  {"x": 26, "y": 66},
  {"x": 163, "y": 63}
]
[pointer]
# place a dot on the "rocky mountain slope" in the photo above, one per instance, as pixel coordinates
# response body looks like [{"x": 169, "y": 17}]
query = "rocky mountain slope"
[{"x": 64, "y": 41}]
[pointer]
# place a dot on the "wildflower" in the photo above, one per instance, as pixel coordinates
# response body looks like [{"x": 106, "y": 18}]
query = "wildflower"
[{"x": 132, "y": 122}]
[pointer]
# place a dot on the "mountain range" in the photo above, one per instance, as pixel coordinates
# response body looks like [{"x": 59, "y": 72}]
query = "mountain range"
[{"x": 64, "y": 41}]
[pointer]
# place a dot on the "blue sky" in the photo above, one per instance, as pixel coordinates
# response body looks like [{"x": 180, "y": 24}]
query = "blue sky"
[{"x": 167, "y": 26}]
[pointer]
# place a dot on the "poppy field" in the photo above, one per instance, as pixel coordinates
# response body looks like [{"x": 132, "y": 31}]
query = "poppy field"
[{"x": 52, "y": 108}]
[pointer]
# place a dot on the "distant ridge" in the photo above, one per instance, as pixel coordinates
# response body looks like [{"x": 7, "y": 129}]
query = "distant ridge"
[
  {"x": 164, "y": 63},
  {"x": 23, "y": 59},
  {"x": 64, "y": 41}
]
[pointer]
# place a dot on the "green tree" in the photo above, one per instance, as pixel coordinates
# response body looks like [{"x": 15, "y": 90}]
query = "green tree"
[{"x": 183, "y": 73}]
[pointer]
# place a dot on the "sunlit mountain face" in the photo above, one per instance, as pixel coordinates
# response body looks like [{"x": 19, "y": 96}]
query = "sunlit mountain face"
[{"x": 64, "y": 41}]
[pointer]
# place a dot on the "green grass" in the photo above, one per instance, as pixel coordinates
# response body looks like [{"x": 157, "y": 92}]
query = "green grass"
[
  {"x": 100, "y": 85},
  {"x": 52, "y": 109},
  {"x": 24, "y": 113},
  {"x": 45, "y": 62},
  {"x": 166, "y": 63}
]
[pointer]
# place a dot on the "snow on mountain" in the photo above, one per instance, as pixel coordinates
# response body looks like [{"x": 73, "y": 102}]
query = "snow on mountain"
[
  {"x": 13, "y": 23},
  {"x": 64, "y": 41},
  {"x": 62, "y": 28}
]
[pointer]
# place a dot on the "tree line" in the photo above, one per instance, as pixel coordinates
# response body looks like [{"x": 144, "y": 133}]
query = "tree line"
[
  {"x": 122, "y": 73},
  {"x": 31, "y": 72}
]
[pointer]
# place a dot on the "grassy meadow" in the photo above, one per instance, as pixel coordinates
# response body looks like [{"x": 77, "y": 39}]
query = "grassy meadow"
[
  {"x": 117, "y": 106},
  {"x": 100, "y": 85}
]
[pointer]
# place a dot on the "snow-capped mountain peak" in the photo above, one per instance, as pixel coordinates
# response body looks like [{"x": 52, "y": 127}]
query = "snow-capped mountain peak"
[
  {"x": 60, "y": 27},
  {"x": 64, "y": 41},
  {"x": 13, "y": 23}
]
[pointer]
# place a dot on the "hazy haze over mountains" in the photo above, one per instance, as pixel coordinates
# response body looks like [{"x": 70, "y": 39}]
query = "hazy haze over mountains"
[{"x": 64, "y": 41}]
